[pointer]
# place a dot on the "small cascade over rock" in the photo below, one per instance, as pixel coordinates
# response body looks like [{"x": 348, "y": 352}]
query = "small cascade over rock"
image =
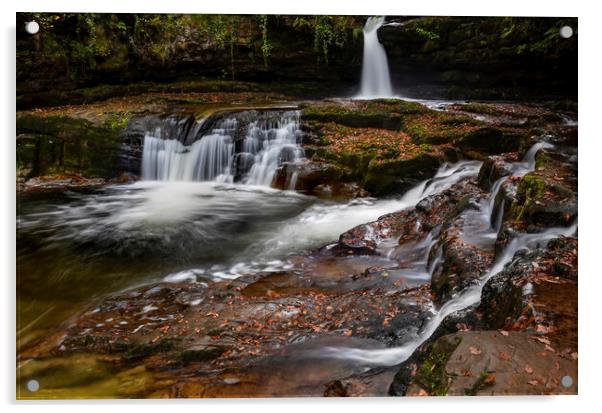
[
  {"x": 376, "y": 81},
  {"x": 245, "y": 147}
]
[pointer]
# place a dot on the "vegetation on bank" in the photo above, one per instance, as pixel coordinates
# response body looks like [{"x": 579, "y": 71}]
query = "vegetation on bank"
[
  {"x": 67, "y": 145},
  {"x": 90, "y": 48}
]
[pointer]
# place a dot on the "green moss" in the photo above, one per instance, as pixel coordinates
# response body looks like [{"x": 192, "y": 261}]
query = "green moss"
[
  {"x": 380, "y": 113},
  {"x": 530, "y": 189},
  {"x": 383, "y": 177},
  {"x": 118, "y": 120},
  {"x": 431, "y": 375},
  {"x": 483, "y": 381},
  {"x": 541, "y": 159}
]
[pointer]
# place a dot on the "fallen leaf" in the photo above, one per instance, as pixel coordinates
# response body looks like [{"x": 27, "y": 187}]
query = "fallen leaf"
[
  {"x": 504, "y": 333},
  {"x": 474, "y": 350},
  {"x": 502, "y": 355},
  {"x": 528, "y": 369},
  {"x": 533, "y": 382},
  {"x": 542, "y": 340}
]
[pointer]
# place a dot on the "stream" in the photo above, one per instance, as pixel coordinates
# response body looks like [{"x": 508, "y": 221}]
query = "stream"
[{"x": 192, "y": 218}]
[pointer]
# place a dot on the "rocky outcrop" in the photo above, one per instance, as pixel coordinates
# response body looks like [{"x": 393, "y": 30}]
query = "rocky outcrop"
[
  {"x": 493, "y": 363},
  {"x": 409, "y": 224}
]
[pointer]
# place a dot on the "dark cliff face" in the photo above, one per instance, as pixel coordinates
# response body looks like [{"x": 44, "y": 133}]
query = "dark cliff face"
[
  {"x": 488, "y": 57},
  {"x": 483, "y": 57}
]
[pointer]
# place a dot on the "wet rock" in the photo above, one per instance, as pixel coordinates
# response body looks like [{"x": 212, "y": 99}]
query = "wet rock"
[
  {"x": 371, "y": 383},
  {"x": 512, "y": 115},
  {"x": 494, "y": 168},
  {"x": 242, "y": 164},
  {"x": 310, "y": 175},
  {"x": 143, "y": 350},
  {"x": 491, "y": 141},
  {"x": 543, "y": 278},
  {"x": 410, "y": 224},
  {"x": 460, "y": 256},
  {"x": 344, "y": 190},
  {"x": 201, "y": 353}
]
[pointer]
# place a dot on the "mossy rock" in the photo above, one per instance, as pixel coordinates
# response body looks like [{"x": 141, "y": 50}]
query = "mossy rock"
[
  {"x": 431, "y": 375},
  {"x": 530, "y": 189},
  {"x": 437, "y": 128},
  {"x": 380, "y": 113},
  {"x": 397, "y": 176},
  {"x": 541, "y": 203}
]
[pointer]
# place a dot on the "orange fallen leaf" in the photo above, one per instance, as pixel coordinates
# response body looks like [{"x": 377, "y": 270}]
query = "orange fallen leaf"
[
  {"x": 502, "y": 355},
  {"x": 533, "y": 382},
  {"x": 465, "y": 373},
  {"x": 504, "y": 333},
  {"x": 528, "y": 369}
]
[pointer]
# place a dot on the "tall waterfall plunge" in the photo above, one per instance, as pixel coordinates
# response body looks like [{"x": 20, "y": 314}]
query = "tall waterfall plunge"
[
  {"x": 247, "y": 147},
  {"x": 376, "y": 81}
]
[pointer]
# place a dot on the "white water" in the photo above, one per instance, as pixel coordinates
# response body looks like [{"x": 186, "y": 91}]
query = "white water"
[
  {"x": 376, "y": 81},
  {"x": 266, "y": 146},
  {"x": 271, "y": 145},
  {"x": 323, "y": 223},
  {"x": 467, "y": 297}
]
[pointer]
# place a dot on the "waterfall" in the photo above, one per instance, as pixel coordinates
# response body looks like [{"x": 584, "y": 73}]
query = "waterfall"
[
  {"x": 273, "y": 144},
  {"x": 376, "y": 82},
  {"x": 229, "y": 153}
]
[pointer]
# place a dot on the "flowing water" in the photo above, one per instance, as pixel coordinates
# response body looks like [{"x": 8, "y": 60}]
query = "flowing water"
[
  {"x": 187, "y": 220},
  {"x": 225, "y": 154},
  {"x": 484, "y": 232},
  {"x": 376, "y": 80}
]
